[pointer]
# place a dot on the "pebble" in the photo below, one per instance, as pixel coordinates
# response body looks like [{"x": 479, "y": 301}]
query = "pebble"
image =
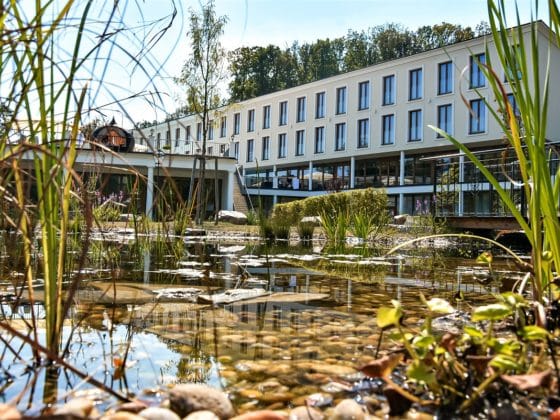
[
  {"x": 262, "y": 415},
  {"x": 158, "y": 413},
  {"x": 133, "y": 406},
  {"x": 348, "y": 410},
  {"x": 187, "y": 398},
  {"x": 8, "y": 412},
  {"x": 77, "y": 407},
  {"x": 122, "y": 415},
  {"x": 305, "y": 413},
  {"x": 202, "y": 415}
]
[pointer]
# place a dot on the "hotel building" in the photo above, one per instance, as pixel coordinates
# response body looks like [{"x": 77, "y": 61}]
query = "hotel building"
[{"x": 366, "y": 128}]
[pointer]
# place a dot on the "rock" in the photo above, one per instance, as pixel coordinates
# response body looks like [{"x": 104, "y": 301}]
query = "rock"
[
  {"x": 305, "y": 413},
  {"x": 8, "y": 412},
  {"x": 78, "y": 407},
  {"x": 398, "y": 404},
  {"x": 348, "y": 410},
  {"x": 262, "y": 415},
  {"x": 235, "y": 217},
  {"x": 133, "y": 406},
  {"x": 158, "y": 413},
  {"x": 315, "y": 220},
  {"x": 400, "y": 219},
  {"x": 319, "y": 399},
  {"x": 195, "y": 232},
  {"x": 187, "y": 398},
  {"x": 122, "y": 415},
  {"x": 202, "y": 415}
]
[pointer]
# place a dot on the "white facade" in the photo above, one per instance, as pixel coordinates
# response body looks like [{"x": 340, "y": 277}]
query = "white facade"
[{"x": 366, "y": 127}]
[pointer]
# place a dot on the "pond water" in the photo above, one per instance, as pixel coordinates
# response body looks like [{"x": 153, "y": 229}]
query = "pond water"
[{"x": 136, "y": 330}]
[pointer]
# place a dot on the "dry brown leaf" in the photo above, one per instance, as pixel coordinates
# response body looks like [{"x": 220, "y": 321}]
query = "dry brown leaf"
[
  {"x": 529, "y": 381},
  {"x": 381, "y": 368}
]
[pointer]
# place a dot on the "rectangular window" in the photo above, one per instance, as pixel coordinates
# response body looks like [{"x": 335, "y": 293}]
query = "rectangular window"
[
  {"x": 513, "y": 103},
  {"x": 236, "y": 122},
  {"x": 236, "y": 150},
  {"x": 177, "y": 136},
  {"x": 198, "y": 131},
  {"x": 223, "y": 127},
  {"x": 266, "y": 116},
  {"x": 319, "y": 139},
  {"x": 250, "y": 150},
  {"x": 282, "y": 146},
  {"x": 158, "y": 140},
  {"x": 341, "y": 101},
  {"x": 250, "y": 120},
  {"x": 388, "y": 129},
  {"x": 283, "y": 113},
  {"x": 363, "y": 133},
  {"x": 389, "y": 90},
  {"x": 477, "y": 116},
  {"x": 415, "y": 125},
  {"x": 513, "y": 70},
  {"x": 445, "y": 78},
  {"x": 415, "y": 85},
  {"x": 340, "y": 137},
  {"x": 188, "y": 134},
  {"x": 301, "y": 109},
  {"x": 445, "y": 119},
  {"x": 265, "y": 148},
  {"x": 320, "y": 105},
  {"x": 211, "y": 130},
  {"x": 476, "y": 75},
  {"x": 363, "y": 95},
  {"x": 300, "y": 142},
  {"x": 168, "y": 138}
]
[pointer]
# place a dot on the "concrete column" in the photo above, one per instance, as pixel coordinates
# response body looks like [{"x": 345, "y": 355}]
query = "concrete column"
[
  {"x": 310, "y": 176},
  {"x": 150, "y": 193},
  {"x": 461, "y": 202},
  {"x": 352, "y": 172},
  {"x": 274, "y": 178},
  {"x": 228, "y": 189},
  {"x": 401, "y": 181},
  {"x": 274, "y": 199}
]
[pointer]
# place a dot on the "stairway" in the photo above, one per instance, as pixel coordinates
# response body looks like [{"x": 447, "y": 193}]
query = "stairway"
[{"x": 239, "y": 198}]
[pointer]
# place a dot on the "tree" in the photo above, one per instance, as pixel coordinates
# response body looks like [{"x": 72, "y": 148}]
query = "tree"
[
  {"x": 202, "y": 74},
  {"x": 440, "y": 35}
]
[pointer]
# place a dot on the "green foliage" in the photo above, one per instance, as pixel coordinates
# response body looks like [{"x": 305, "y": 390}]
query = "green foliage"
[
  {"x": 252, "y": 218},
  {"x": 109, "y": 212},
  {"x": 305, "y": 230},
  {"x": 452, "y": 367}
]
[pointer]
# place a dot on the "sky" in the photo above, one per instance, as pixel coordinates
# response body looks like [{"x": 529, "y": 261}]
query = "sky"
[{"x": 250, "y": 23}]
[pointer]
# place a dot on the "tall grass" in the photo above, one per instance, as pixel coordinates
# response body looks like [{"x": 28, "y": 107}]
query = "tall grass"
[{"x": 520, "y": 53}]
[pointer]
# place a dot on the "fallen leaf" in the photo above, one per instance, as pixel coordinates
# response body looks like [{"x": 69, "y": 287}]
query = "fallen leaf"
[
  {"x": 449, "y": 342},
  {"x": 529, "y": 381},
  {"x": 381, "y": 368}
]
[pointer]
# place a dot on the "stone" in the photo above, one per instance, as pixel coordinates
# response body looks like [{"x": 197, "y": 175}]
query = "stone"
[
  {"x": 262, "y": 415},
  {"x": 78, "y": 407},
  {"x": 400, "y": 219},
  {"x": 122, "y": 415},
  {"x": 195, "y": 232},
  {"x": 8, "y": 412},
  {"x": 315, "y": 220},
  {"x": 348, "y": 410},
  {"x": 133, "y": 406},
  {"x": 235, "y": 217},
  {"x": 305, "y": 413},
  {"x": 188, "y": 398},
  {"x": 158, "y": 413},
  {"x": 202, "y": 415}
]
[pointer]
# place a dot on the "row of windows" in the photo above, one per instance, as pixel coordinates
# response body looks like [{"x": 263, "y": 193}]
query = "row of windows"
[{"x": 415, "y": 92}]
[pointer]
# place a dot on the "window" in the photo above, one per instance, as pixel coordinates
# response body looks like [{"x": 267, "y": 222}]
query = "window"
[
  {"x": 363, "y": 95},
  {"x": 445, "y": 78},
  {"x": 363, "y": 133},
  {"x": 300, "y": 142},
  {"x": 389, "y": 90},
  {"x": 388, "y": 127},
  {"x": 283, "y": 113},
  {"x": 211, "y": 130},
  {"x": 282, "y": 145},
  {"x": 167, "y": 138},
  {"x": 250, "y": 120},
  {"x": 158, "y": 140},
  {"x": 266, "y": 116},
  {"x": 513, "y": 103},
  {"x": 265, "y": 148},
  {"x": 477, "y": 116},
  {"x": 177, "y": 136},
  {"x": 320, "y": 105},
  {"x": 250, "y": 150},
  {"x": 415, "y": 125},
  {"x": 236, "y": 122},
  {"x": 300, "y": 109},
  {"x": 223, "y": 127},
  {"x": 340, "y": 137},
  {"x": 236, "y": 150},
  {"x": 198, "y": 131},
  {"x": 445, "y": 119},
  {"x": 188, "y": 134},
  {"x": 415, "y": 85},
  {"x": 476, "y": 75},
  {"x": 319, "y": 139},
  {"x": 513, "y": 70},
  {"x": 341, "y": 100}
]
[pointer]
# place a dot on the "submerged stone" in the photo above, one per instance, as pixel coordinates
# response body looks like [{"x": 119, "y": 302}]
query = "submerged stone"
[{"x": 188, "y": 398}]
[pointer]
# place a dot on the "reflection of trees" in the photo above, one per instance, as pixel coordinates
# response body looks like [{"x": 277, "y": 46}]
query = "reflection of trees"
[{"x": 447, "y": 193}]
